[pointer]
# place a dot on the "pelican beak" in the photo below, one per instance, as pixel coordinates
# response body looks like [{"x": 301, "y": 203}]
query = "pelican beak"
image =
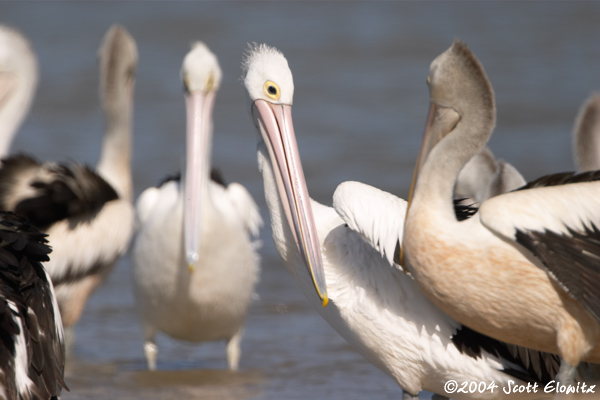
[
  {"x": 199, "y": 110},
  {"x": 440, "y": 122},
  {"x": 277, "y": 129}
]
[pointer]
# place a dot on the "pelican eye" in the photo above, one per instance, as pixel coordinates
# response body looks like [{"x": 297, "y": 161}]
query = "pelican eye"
[
  {"x": 210, "y": 82},
  {"x": 272, "y": 90},
  {"x": 186, "y": 84}
]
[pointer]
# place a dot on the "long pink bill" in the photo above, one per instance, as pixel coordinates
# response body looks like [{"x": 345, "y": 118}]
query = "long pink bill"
[
  {"x": 199, "y": 112},
  {"x": 278, "y": 133}
]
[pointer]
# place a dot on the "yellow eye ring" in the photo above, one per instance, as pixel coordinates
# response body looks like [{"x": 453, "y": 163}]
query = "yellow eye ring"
[{"x": 271, "y": 90}]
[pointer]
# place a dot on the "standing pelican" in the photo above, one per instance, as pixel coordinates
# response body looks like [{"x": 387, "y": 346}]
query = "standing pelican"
[
  {"x": 87, "y": 215},
  {"x": 18, "y": 80},
  {"x": 194, "y": 260},
  {"x": 32, "y": 351},
  {"x": 586, "y": 135},
  {"x": 342, "y": 256},
  {"x": 525, "y": 268}
]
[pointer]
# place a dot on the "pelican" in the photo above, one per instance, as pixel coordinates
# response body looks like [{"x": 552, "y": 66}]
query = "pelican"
[
  {"x": 87, "y": 215},
  {"x": 586, "y": 135},
  {"x": 484, "y": 177},
  {"x": 525, "y": 268},
  {"x": 195, "y": 261},
  {"x": 342, "y": 260},
  {"x": 18, "y": 81},
  {"x": 32, "y": 350}
]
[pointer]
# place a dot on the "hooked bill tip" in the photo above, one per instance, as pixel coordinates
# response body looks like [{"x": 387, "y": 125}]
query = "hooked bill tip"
[
  {"x": 192, "y": 258},
  {"x": 325, "y": 301}
]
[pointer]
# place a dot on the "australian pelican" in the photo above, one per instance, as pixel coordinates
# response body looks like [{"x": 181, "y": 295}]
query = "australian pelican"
[
  {"x": 195, "y": 261},
  {"x": 525, "y": 268},
  {"x": 342, "y": 259}
]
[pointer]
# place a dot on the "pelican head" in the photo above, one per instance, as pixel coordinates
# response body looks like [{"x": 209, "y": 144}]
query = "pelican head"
[
  {"x": 118, "y": 61},
  {"x": 462, "y": 107},
  {"x": 201, "y": 76},
  {"x": 586, "y": 135},
  {"x": 18, "y": 80},
  {"x": 270, "y": 86},
  {"x": 461, "y": 95}
]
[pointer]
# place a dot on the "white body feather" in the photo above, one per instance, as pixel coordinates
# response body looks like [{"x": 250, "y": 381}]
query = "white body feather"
[
  {"x": 211, "y": 302},
  {"x": 110, "y": 231},
  {"x": 377, "y": 308}
]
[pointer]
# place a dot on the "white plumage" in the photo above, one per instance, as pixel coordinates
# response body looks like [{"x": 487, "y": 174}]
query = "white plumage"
[
  {"x": 376, "y": 307},
  {"x": 197, "y": 290}
]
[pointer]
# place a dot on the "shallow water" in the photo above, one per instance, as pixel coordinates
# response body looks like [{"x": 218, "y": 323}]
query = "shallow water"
[{"x": 359, "y": 110}]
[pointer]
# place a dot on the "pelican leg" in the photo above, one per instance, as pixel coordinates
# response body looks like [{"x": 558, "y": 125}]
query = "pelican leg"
[
  {"x": 566, "y": 373},
  {"x": 150, "y": 348},
  {"x": 233, "y": 350}
]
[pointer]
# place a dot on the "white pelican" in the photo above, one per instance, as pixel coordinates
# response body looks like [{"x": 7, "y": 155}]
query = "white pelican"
[
  {"x": 586, "y": 135},
  {"x": 32, "y": 351},
  {"x": 195, "y": 263},
  {"x": 88, "y": 215},
  {"x": 344, "y": 255},
  {"x": 525, "y": 268},
  {"x": 18, "y": 80}
]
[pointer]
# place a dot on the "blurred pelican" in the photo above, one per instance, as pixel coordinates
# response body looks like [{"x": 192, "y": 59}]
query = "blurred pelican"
[
  {"x": 586, "y": 135},
  {"x": 18, "y": 80},
  {"x": 32, "y": 350},
  {"x": 343, "y": 257},
  {"x": 484, "y": 177},
  {"x": 88, "y": 215},
  {"x": 195, "y": 262},
  {"x": 525, "y": 268}
]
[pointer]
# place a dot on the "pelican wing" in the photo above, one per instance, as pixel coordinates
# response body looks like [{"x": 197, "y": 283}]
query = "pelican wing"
[
  {"x": 520, "y": 362},
  {"x": 47, "y": 193},
  {"x": 145, "y": 205},
  {"x": 376, "y": 215},
  {"x": 558, "y": 224},
  {"x": 245, "y": 207},
  {"x": 25, "y": 284}
]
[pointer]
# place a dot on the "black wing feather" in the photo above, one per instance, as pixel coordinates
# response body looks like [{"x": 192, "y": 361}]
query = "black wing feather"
[
  {"x": 24, "y": 282},
  {"x": 215, "y": 176},
  {"x": 535, "y": 366},
  {"x": 62, "y": 191},
  {"x": 563, "y": 178},
  {"x": 573, "y": 259}
]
